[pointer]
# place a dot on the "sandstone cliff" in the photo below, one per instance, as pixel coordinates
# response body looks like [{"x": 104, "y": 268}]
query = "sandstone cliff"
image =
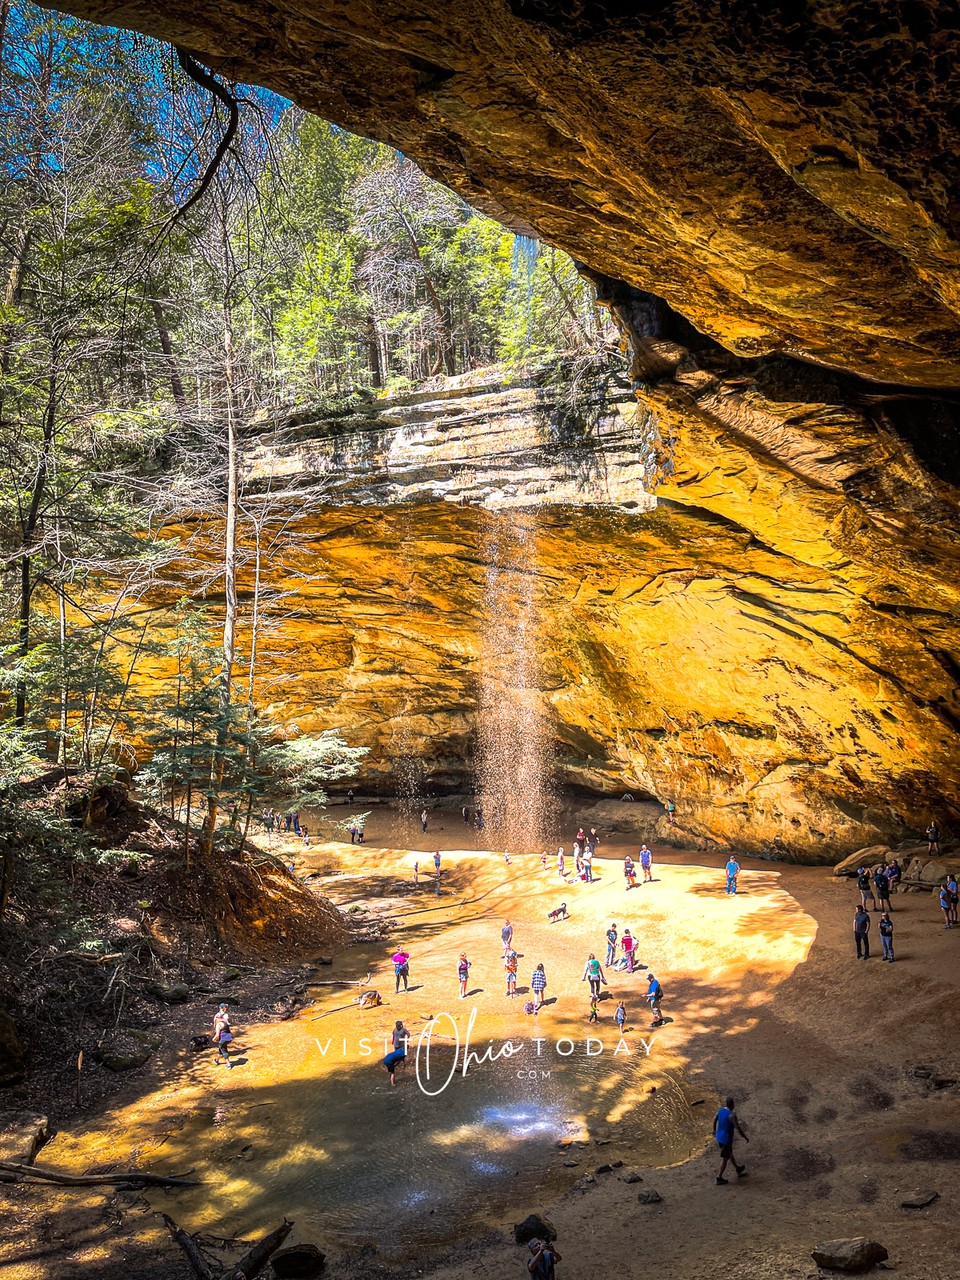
[{"x": 765, "y": 195}]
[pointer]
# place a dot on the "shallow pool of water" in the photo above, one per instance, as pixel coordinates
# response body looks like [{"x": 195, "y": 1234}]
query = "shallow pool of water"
[{"x": 354, "y": 1160}]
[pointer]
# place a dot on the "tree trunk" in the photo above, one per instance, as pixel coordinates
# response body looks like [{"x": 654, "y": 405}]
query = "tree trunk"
[
  {"x": 28, "y": 531},
  {"x": 173, "y": 373},
  {"x": 230, "y": 601}
]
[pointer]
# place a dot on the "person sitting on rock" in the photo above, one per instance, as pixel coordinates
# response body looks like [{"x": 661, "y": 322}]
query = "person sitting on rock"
[{"x": 894, "y": 874}]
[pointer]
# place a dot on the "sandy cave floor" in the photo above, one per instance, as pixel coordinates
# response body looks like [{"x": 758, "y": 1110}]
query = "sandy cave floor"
[{"x": 766, "y": 1001}]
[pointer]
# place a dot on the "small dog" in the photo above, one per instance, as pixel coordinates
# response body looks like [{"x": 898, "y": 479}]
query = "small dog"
[
  {"x": 200, "y": 1042},
  {"x": 560, "y": 913}
]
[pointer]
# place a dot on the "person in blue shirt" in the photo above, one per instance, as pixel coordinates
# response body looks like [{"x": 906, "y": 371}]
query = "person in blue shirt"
[
  {"x": 725, "y": 1125},
  {"x": 732, "y": 870},
  {"x": 543, "y": 1258}
]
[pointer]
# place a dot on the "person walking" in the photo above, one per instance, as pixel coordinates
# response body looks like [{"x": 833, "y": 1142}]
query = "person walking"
[
  {"x": 506, "y": 936},
  {"x": 671, "y": 809},
  {"x": 646, "y": 862},
  {"x": 954, "y": 897},
  {"x": 465, "y": 814},
  {"x": 885, "y": 928},
  {"x": 620, "y": 1017},
  {"x": 543, "y": 860},
  {"x": 933, "y": 837},
  {"x": 463, "y": 973},
  {"x": 733, "y": 870},
  {"x": 353, "y": 832},
  {"x": 588, "y": 865},
  {"x": 350, "y": 795},
  {"x": 222, "y": 1036},
  {"x": 592, "y": 841},
  {"x": 725, "y": 1126},
  {"x": 654, "y": 997},
  {"x": 538, "y": 984},
  {"x": 423, "y": 820},
  {"x": 861, "y": 932},
  {"x": 561, "y": 863},
  {"x": 510, "y": 964},
  {"x": 866, "y": 888},
  {"x": 629, "y": 946},
  {"x": 577, "y": 862},
  {"x": 416, "y": 875},
  {"x": 401, "y": 1038},
  {"x": 479, "y": 819},
  {"x": 594, "y": 1008},
  {"x": 881, "y": 885},
  {"x": 436, "y": 862},
  {"x": 543, "y": 1258},
  {"x": 401, "y": 969},
  {"x": 360, "y": 834},
  {"x": 611, "y": 944},
  {"x": 593, "y": 973},
  {"x": 629, "y": 872}
]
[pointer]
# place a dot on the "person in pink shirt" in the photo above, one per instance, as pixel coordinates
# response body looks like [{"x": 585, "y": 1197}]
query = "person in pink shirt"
[{"x": 628, "y": 944}]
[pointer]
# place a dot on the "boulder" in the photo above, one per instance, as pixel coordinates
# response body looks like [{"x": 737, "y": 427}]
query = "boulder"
[
  {"x": 650, "y": 1197},
  {"x": 868, "y": 857},
  {"x": 126, "y": 1049},
  {"x": 919, "y": 1199},
  {"x": 170, "y": 992},
  {"x": 853, "y": 1255},
  {"x": 533, "y": 1227},
  {"x": 303, "y": 1260},
  {"x": 11, "y": 1051},
  {"x": 934, "y": 871},
  {"x": 631, "y": 1176},
  {"x": 22, "y": 1134}
]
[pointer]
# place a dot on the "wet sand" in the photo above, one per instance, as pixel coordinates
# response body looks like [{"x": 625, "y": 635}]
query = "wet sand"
[{"x": 765, "y": 1000}]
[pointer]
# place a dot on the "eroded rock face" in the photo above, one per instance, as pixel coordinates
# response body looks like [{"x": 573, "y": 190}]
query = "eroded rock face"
[
  {"x": 769, "y": 646},
  {"x": 783, "y": 175}
]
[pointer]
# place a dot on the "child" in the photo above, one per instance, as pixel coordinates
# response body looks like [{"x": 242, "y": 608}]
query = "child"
[
  {"x": 629, "y": 872},
  {"x": 543, "y": 859},
  {"x": 222, "y": 1035},
  {"x": 594, "y": 1009},
  {"x": 463, "y": 972},
  {"x": 561, "y": 864},
  {"x": 510, "y": 964},
  {"x": 886, "y": 936},
  {"x": 620, "y": 1016},
  {"x": 628, "y": 945}
]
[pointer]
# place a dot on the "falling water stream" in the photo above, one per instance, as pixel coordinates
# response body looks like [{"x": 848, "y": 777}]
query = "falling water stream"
[{"x": 515, "y": 754}]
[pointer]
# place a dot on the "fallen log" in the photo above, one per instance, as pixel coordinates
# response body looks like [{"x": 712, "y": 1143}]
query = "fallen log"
[
  {"x": 198, "y": 1262},
  {"x": 249, "y": 1266},
  {"x": 97, "y": 1179},
  {"x": 252, "y": 1263}
]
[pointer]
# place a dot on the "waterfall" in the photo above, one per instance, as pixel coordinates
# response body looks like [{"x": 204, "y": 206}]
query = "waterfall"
[{"x": 515, "y": 747}]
